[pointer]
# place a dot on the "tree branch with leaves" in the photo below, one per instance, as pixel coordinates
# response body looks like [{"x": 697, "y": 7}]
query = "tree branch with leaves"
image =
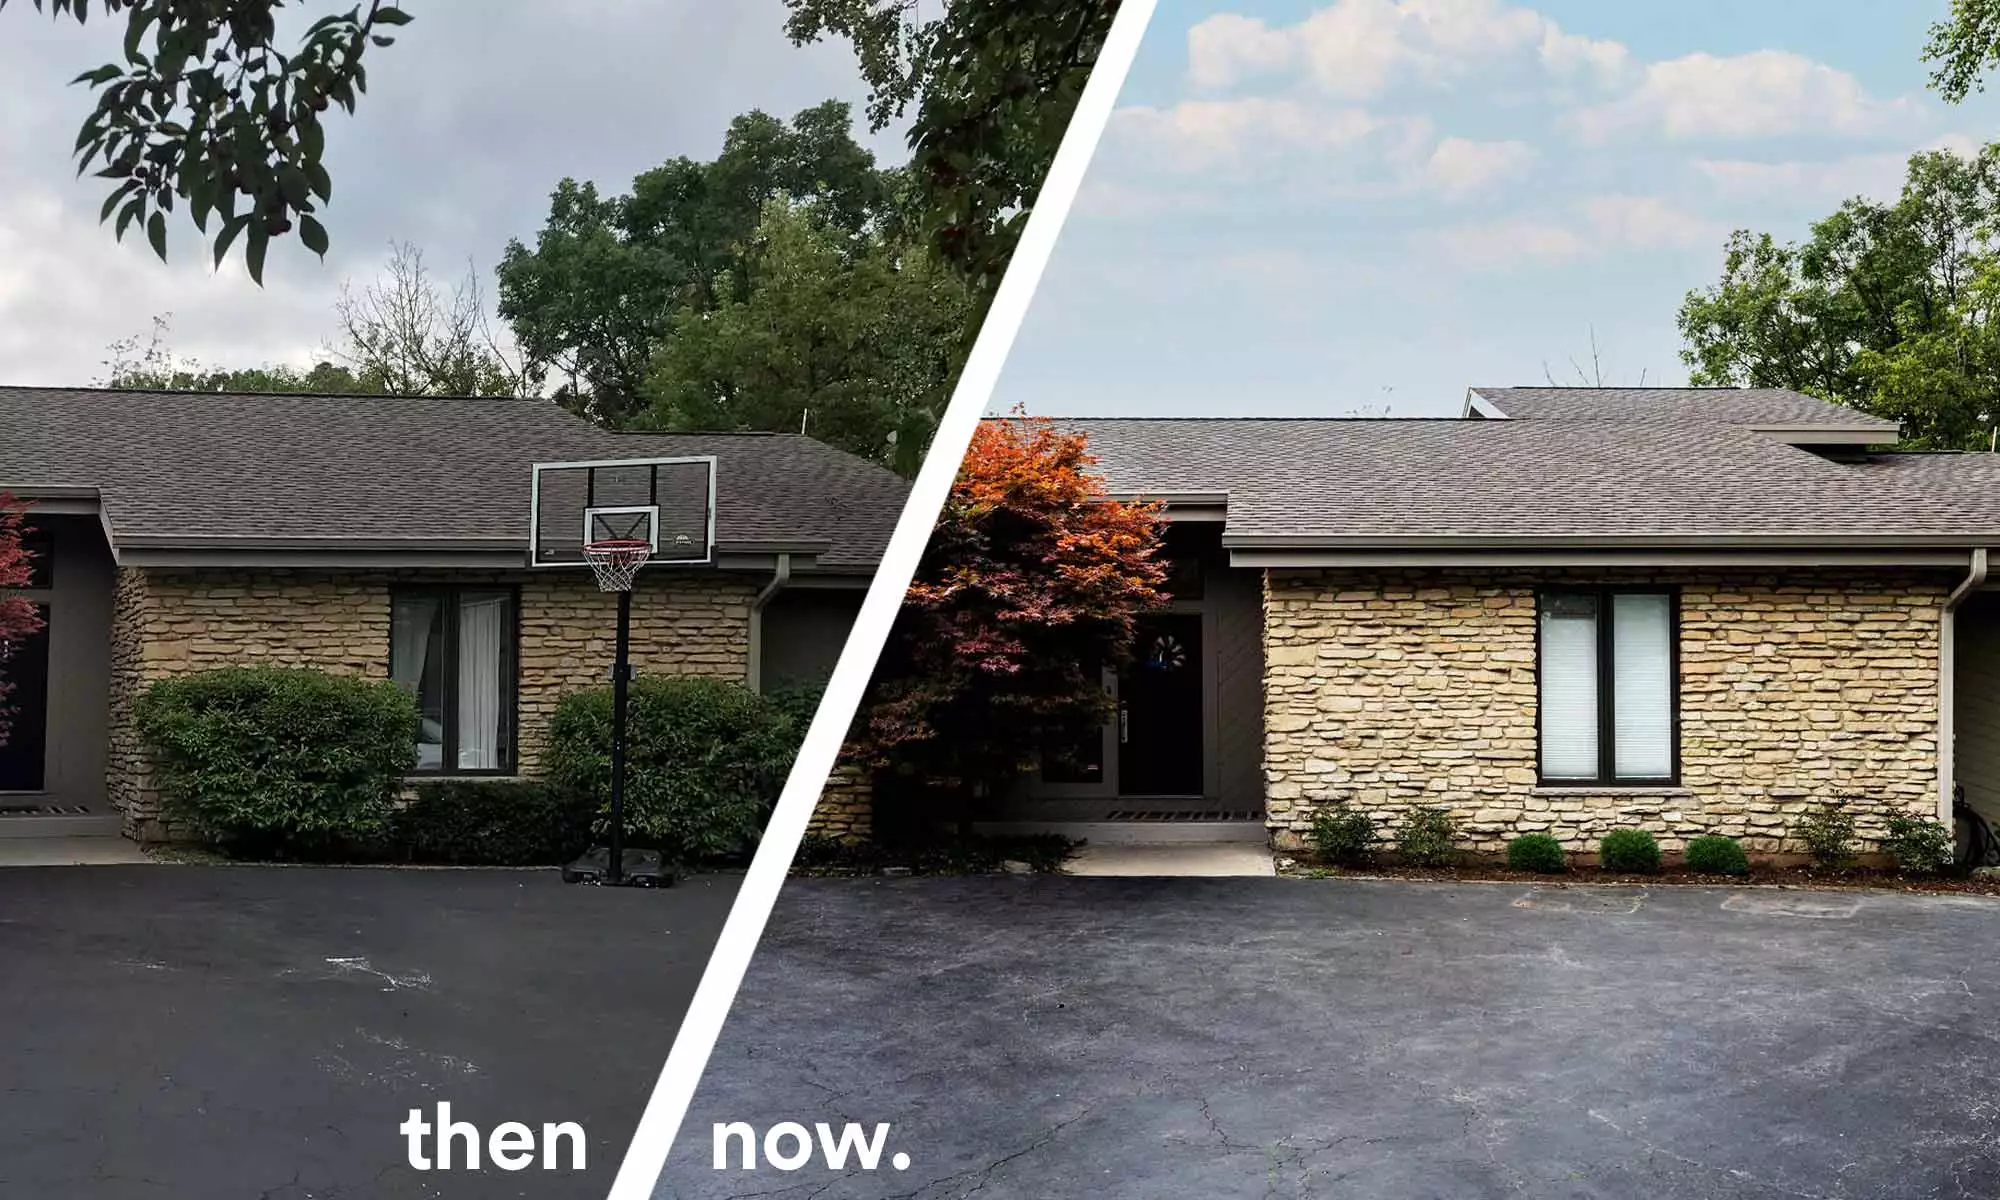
[{"x": 204, "y": 110}]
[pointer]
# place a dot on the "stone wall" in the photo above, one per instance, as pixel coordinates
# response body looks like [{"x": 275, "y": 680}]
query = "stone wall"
[
  {"x": 846, "y": 809},
  {"x": 175, "y": 621},
  {"x": 1389, "y": 689}
]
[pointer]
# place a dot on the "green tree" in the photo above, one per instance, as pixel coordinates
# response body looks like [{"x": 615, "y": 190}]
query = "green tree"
[
  {"x": 993, "y": 84},
  {"x": 1885, "y": 307},
  {"x": 858, "y": 349},
  {"x": 1963, "y": 47},
  {"x": 203, "y": 109},
  {"x": 608, "y": 274}
]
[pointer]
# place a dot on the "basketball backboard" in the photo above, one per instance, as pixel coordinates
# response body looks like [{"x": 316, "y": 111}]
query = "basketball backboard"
[{"x": 667, "y": 502}]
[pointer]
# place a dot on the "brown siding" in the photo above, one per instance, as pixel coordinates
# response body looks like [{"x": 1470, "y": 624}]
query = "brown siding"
[{"x": 1976, "y": 691}]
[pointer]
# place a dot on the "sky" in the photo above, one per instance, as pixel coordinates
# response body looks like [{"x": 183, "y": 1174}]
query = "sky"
[
  {"x": 470, "y": 120},
  {"x": 1364, "y": 207}
]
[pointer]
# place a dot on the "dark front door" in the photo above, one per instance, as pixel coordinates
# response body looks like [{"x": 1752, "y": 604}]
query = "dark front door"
[
  {"x": 24, "y": 712},
  {"x": 1159, "y": 710}
]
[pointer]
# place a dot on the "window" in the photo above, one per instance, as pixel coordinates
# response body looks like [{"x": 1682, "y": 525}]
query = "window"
[
  {"x": 453, "y": 650},
  {"x": 1609, "y": 662}
]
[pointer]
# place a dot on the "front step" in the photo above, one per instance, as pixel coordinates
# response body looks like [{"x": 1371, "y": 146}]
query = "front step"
[
  {"x": 60, "y": 825},
  {"x": 1135, "y": 833}
]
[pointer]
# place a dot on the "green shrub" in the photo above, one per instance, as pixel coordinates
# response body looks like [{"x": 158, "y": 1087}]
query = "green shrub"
[
  {"x": 1629, "y": 852},
  {"x": 490, "y": 822},
  {"x": 280, "y": 762},
  {"x": 1828, "y": 834},
  {"x": 704, "y": 762},
  {"x": 1427, "y": 837},
  {"x": 1920, "y": 845},
  {"x": 1341, "y": 834},
  {"x": 1537, "y": 852},
  {"x": 1717, "y": 855}
]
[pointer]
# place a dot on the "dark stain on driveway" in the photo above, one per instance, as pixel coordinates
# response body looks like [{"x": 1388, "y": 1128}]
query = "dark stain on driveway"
[
  {"x": 262, "y": 1032},
  {"x": 1123, "y": 1038}
]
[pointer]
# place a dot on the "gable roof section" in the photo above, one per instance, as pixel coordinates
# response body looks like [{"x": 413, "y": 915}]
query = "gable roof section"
[
  {"x": 196, "y": 469},
  {"x": 1541, "y": 482},
  {"x": 1770, "y": 409}
]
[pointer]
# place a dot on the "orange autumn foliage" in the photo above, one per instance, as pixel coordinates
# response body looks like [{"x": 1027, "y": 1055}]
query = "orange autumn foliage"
[{"x": 1030, "y": 586}]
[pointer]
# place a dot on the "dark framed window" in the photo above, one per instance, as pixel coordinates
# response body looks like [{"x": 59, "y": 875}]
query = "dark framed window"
[
  {"x": 455, "y": 650},
  {"x": 41, "y": 550},
  {"x": 1608, "y": 677}
]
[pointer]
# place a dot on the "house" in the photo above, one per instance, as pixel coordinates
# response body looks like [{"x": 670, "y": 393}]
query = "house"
[
  {"x": 383, "y": 537},
  {"x": 1567, "y": 610}
]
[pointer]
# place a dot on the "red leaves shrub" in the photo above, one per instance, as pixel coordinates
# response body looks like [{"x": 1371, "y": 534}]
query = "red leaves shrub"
[
  {"x": 1030, "y": 587},
  {"x": 18, "y": 617}
]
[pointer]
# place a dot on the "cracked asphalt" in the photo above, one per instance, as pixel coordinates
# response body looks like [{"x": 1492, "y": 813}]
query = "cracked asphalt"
[
  {"x": 260, "y": 1033},
  {"x": 1275, "y": 1038}
]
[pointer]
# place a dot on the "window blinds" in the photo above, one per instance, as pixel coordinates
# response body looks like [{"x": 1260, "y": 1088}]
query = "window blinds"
[{"x": 1569, "y": 687}]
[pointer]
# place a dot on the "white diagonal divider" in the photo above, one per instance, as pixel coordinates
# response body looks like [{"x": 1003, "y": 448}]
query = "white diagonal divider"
[{"x": 654, "y": 1138}]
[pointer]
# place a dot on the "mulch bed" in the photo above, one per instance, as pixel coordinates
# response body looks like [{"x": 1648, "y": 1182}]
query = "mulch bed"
[{"x": 1858, "y": 878}]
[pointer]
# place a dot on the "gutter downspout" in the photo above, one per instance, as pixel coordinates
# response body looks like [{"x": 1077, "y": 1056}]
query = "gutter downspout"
[
  {"x": 779, "y": 579},
  {"x": 1947, "y": 702}
]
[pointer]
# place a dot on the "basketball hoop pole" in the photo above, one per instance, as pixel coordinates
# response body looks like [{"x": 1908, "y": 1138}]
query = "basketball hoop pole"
[{"x": 621, "y": 674}]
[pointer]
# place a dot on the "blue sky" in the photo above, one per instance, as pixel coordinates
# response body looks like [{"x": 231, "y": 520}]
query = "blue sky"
[{"x": 1340, "y": 206}]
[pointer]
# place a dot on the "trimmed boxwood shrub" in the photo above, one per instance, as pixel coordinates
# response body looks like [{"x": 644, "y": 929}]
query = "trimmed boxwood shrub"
[
  {"x": 1629, "y": 852},
  {"x": 1537, "y": 852},
  {"x": 489, "y": 822},
  {"x": 1428, "y": 837},
  {"x": 1714, "y": 854},
  {"x": 1341, "y": 834},
  {"x": 1920, "y": 845},
  {"x": 705, "y": 760},
  {"x": 279, "y": 762}
]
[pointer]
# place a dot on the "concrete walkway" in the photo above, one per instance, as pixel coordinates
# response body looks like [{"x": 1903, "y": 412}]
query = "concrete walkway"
[
  {"x": 1171, "y": 859},
  {"x": 70, "y": 852}
]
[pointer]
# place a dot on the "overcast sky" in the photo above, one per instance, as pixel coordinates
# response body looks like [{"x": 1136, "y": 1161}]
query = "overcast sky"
[
  {"x": 469, "y": 122},
  {"x": 1305, "y": 206}
]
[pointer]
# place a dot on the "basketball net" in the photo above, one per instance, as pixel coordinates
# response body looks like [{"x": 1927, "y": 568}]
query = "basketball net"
[{"x": 616, "y": 561}]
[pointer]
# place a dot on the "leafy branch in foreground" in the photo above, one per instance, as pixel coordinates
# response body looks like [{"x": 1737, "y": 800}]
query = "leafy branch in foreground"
[{"x": 204, "y": 110}]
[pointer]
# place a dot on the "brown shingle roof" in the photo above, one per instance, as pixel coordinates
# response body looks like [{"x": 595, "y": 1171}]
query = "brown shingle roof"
[
  {"x": 1728, "y": 406},
  {"x": 180, "y": 467},
  {"x": 1318, "y": 481}
]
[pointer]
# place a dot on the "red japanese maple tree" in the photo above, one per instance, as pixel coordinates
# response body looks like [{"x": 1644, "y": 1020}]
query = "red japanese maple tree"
[
  {"x": 1031, "y": 585},
  {"x": 18, "y": 618}
]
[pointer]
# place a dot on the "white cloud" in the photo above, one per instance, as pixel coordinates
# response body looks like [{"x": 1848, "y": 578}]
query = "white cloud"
[
  {"x": 1201, "y": 134},
  {"x": 1357, "y": 49},
  {"x": 1229, "y": 46},
  {"x": 1767, "y": 93},
  {"x": 1876, "y": 176},
  {"x": 1459, "y": 167},
  {"x": 1593, "y": 228}
]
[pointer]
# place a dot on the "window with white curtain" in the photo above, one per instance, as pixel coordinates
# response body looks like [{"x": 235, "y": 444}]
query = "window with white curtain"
[
  {"x": 453, "y": 650},
  {"x": 1608, "y": 678}
]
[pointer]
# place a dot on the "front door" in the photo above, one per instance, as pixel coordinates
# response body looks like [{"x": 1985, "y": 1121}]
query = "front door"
[
  {"x": 24, "y": 712},
  {"x": 1159, "y": 709}
]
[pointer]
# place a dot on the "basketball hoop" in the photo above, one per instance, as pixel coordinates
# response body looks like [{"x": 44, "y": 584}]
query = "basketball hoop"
[{"x": 616, "y": 561}]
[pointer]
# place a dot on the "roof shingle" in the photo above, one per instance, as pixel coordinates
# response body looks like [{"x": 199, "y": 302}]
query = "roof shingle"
[
  {"x": 1728, "y": 406},
  {"x": 1323, "y": 480},
  {"x": 189, "y": 466}
]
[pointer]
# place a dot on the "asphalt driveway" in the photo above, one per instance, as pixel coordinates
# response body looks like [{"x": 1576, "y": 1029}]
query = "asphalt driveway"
[
  {"x": 1120, "y": 1038},
  {"x": 171, "y": 1031}
]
